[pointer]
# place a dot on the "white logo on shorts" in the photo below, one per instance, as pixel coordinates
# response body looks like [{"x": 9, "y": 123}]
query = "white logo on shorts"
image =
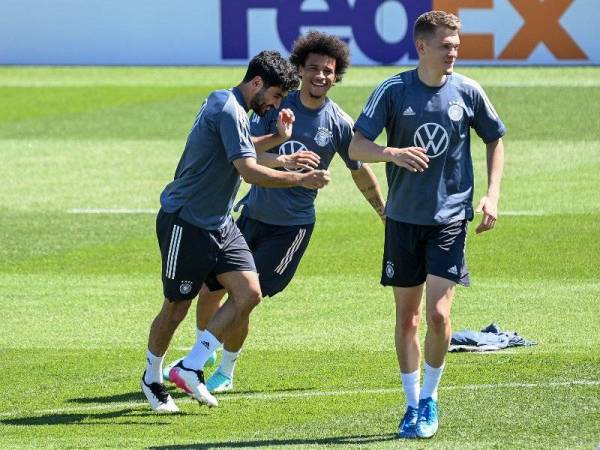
[
  {"x": 389, "y": 269},
  {"x": 185, "y": 287},
  {"x": 453, "y": 270}
]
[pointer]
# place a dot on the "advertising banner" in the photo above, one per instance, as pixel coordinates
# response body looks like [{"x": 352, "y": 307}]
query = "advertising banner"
[{"x": 217, "y": 32}]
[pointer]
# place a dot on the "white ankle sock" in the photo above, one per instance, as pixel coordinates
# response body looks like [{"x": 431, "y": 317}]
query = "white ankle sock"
[
  {"x": 153, "y": 368},
  {"x": 431, "y": 381},
  {"x": 205, "y": 345},
  {"x": 228, "y": 360},
  {"x": 410, "y": 385},
  {"x": 198, "y": 333}
]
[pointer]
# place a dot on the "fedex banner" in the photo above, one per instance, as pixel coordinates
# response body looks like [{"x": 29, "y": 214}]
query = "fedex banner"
[{"x": 216, "y": 32}]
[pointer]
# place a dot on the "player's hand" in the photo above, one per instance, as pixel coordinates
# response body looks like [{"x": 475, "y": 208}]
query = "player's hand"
[
  {"x": 414, "y": 159},
  {"x": 489, "y": 207},
  {"x": 285, "y": 122},
  {"x": 302, "y": 160},
  {"x": 315, "y": 179}
]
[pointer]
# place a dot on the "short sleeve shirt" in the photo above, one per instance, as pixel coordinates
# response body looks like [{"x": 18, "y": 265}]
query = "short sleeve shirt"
[
  {"x": 438, "y": 119},
  {"x": 206, "y": 181},
  {"x": 325, "y": 131}
]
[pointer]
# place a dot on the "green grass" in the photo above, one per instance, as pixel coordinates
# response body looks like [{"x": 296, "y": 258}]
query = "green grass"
[{"x": 78, "y": 292}]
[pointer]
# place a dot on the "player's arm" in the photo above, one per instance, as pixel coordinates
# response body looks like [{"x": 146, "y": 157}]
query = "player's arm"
[
  {"x": 285, "y": 121},
  {"x": 489, "y": 203},
  {"x": 411, "y": 158},
  {"x": 302, "y": 160},
  {"x": 366, "y": 182},
  {"x": 254, "y": 173}
]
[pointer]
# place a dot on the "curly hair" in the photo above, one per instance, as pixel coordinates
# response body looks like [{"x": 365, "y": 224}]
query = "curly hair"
[
  {"x": 322, "y": 44},
  {"x": 428, "y": 22},
  {"x": 274, "y": 70}
]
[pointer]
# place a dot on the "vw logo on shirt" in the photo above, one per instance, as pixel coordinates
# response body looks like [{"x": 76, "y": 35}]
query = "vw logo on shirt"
[
  {"x": 289, "y": 148},
  {"x": 433, "y": 138}
]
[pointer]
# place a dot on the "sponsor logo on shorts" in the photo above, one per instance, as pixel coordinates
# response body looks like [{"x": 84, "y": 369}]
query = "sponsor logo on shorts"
[
  {"x": 453, "y": 270},
  {"x": 389, "y": 269},
  {"x": 185, "y": 287}
]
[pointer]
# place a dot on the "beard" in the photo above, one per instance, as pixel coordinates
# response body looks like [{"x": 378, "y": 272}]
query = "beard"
[{"x": 258, "y": 104}]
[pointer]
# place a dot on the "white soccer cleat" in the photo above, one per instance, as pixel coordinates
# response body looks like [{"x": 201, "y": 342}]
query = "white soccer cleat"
[
  {"x": 211, "y": 361},
  {"x": 192, "y": 382},
  {"x": 159, "y": 398}
]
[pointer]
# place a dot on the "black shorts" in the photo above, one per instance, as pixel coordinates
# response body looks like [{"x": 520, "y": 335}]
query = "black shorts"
[
  {"x": 192, "y": 256},
  {"x": 277, "y": 252},
  {"x": 411, "y": 252}
]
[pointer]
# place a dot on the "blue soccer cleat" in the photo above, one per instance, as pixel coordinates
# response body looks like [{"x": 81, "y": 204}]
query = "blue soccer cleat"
[
  {"x": 219, "y": 382},
  {"x": 427, "y": 423},
  {"x": 408, "y": 424}
]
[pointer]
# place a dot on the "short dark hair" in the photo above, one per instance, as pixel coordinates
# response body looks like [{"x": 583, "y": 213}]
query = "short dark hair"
[
  {"x": 274, "y": 70},
  {"x": 428, "y": 22},
  {"x": 322, "y": 44}
]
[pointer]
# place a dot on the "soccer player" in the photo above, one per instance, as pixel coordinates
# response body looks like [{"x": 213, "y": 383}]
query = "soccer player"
[
  {"x": 278, "y": 223},
  {"x": 427, "y": 113},
  {"x": 197, "y": 236}
]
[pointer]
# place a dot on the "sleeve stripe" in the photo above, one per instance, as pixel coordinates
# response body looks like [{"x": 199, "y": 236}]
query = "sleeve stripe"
[
  {"x": 369, "y": 108},
  {"x": 486, "y": 100}
]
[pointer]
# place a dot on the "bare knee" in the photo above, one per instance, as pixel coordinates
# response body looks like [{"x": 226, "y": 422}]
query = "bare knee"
[
  {"x": 175, "y": 312},
  {"x": 408, "y": 326},
  {"x": 438, "y": 320},
  {"x": 252, "y": 299}
]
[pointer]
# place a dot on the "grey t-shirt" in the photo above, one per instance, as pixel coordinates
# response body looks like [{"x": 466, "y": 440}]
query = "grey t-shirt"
[
  {"x": 325, "y": 131},
  {"x": 438, "y": 119},
  {"x": 206, "y": 182}
]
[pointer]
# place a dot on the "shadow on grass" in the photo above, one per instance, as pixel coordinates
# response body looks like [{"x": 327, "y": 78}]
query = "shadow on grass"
[
  {"x": 137, "y": 395},
  {"x": 86, "y": 419},
  {"x": 340, "y": 440}
]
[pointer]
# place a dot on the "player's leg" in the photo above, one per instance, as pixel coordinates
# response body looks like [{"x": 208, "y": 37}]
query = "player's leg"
[
  {"x": 277, "y": 253},
  {"x": 446, "y": 267},
  {"x": 236, "y": 272},
  {"x": 404, "y": 268},
  {"x": 181, "y": 274}
]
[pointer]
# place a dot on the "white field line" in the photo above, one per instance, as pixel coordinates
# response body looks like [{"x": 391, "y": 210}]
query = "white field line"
[
  {"x": 306, "y": 394},
  {"x": 113, "y": 211},
  {"x": 154, "y": 211}
]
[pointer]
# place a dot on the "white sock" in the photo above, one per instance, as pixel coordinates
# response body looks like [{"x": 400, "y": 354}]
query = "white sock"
[
  {"x": 431, "y": 381},
  {"x": 198, "y": 333},
  {"x": 153, "y": 368},
  {"x": 410, "y": 384},
  {"x": 228, "y": 360},
  {"x": 205, "y": 345}
]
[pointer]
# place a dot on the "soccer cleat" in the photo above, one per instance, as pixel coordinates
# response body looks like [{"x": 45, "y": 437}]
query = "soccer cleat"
[
  {"x": 158, "y": 396},
  {"x": 192, "y": 382},
  {"x": 209, "y": 363},
  {"x": 219, "y": 382},
  {"x": 406, "y": 429},
  {"x": 427, "y": 423}
]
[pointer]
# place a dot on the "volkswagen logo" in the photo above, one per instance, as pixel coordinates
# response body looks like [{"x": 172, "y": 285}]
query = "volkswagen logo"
[
  {"x": 289, "y": 148},
  {"x": 433, "y": 138}
]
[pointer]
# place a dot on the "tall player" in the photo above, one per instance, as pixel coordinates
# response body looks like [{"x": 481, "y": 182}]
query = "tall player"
[
  {"x": 278, "y": 223},
  {"x": 197, "y": 236},
  {"x": 428, "y": 113}
]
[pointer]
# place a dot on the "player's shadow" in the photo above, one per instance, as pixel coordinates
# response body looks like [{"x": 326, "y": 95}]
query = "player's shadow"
[
  {"x": 339, "y": 440},
  {"x": 134, "y": 396},
  {"x": 79, "y": 418}
]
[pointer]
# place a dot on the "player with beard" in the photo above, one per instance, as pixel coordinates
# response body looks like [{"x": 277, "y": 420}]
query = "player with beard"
[
  {"x": 278, "y": 223},
  {"x": 199, "y": 242},
  {"x": 428, "y": 113}
]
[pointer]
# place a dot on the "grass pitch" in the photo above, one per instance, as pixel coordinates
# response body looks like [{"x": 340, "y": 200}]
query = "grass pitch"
[{"x": 78, "y": 291}]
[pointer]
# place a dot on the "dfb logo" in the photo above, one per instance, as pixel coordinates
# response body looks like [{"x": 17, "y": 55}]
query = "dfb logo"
[{"x": 291, "y": 17}]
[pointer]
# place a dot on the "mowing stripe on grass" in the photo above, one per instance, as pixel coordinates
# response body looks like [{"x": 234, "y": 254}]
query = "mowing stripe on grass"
[
  {"x": 286, "y": 395},
  {"x": 113, "y": 211}
]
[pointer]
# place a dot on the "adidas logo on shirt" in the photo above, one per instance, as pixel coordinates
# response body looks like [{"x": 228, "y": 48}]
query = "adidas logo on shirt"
[
  {"x": 408, "y": 112},
  {"x": 453, "y": 270}
]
